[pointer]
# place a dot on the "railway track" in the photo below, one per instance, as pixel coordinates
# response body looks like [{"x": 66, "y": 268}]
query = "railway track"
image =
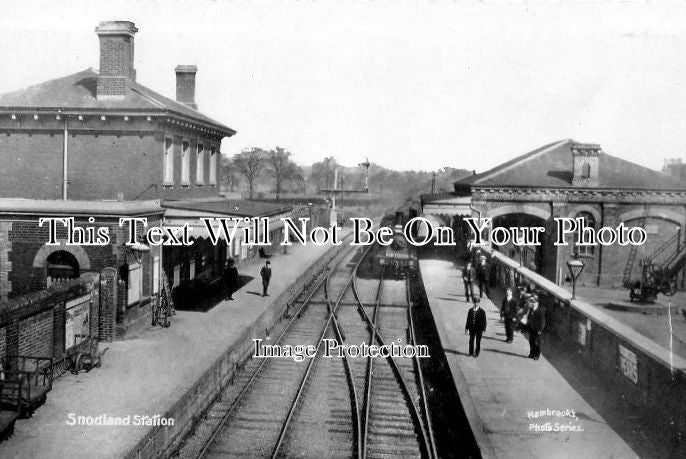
[{"x": 323, "y": 407}]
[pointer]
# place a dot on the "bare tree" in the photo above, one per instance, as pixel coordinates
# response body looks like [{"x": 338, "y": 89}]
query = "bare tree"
[
  {"x": 228, "y": 174},
  {"x": 250, "y": 164},
  {"x": 323, "y": 172},
  {"x": 282, "y": 168}
]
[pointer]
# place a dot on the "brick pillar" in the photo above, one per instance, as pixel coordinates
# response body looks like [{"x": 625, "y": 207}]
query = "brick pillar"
[
  {"x": 109, "y": 278},
  {"x": 120, "y": 327},
  {"x": 5, "y": 263},
  {"x": 58, "y": 322},
  {"x": 94, "y": 312}
]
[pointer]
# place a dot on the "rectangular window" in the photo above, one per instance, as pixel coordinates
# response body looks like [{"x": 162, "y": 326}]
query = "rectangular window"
[
  {"x": 234, "y": 247},
  {"x": 177, "y": 275},
  {"x": 213, "y": 166},
  {"x": 185, "y": 162},
  {"x": 200, "y": 169},
  {"x": 135, "y": 283},
  {"x": 168, "y": 161}
]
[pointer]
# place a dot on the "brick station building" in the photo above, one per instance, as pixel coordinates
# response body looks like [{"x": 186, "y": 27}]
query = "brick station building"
[
  {"x": 30, "y": 263},
  {"x": 100, "y": 144},
  {"x": 103, "y": 135},
  {"x": 571, "y": 179}
]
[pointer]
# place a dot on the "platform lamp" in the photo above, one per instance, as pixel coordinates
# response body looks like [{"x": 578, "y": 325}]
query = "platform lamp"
[
  {"x": 138, "y": 249},
  {"x": 575, "y": 267}
]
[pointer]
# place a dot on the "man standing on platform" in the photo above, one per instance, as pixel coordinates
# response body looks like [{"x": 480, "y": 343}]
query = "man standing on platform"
[
  {"x": 468, "y": 274},
  {"x": 266, "y": 273},
  {"x": 482, "y": 276},
  {"x": 535, "y": 325},
  {"x": 475, "y": 326},
  {"x": 231, "y": 277},
  {"x": 508, "y": 312}
]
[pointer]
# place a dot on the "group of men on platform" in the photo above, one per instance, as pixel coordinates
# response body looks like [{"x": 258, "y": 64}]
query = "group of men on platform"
[{"x": 523, "y": 313}]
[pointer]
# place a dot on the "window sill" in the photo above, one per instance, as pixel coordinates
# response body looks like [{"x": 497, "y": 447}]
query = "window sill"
[{"x": 168, "y": 185}]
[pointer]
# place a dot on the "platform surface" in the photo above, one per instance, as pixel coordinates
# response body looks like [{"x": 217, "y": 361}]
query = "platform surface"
[
  {"x": 147, "y": 374},
  {"x": 505, "y": 394}
]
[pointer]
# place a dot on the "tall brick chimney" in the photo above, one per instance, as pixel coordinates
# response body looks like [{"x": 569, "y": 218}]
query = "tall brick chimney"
[
  {"x": 116, "y": 58},
  {"x": 185, "y": 85},
  {"x": 585, "y": 158}
]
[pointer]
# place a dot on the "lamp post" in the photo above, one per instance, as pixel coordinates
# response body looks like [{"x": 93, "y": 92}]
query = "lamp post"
[
  {"x": 138, "y": 249},
  {"x": 575, "y": 267}
]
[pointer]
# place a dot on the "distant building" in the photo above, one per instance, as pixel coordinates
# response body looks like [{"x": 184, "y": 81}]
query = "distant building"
[
  {"x": 571, "y": 179},
  {"x": 675, "y": 167}
]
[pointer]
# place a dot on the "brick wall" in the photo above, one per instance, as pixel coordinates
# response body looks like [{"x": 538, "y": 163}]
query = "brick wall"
[
  {"x": 31, "y": 165},
  {"x": 35, "y": 335},
  {"x": 34, "y": 324},
  {"x": 106, "y": 158}
]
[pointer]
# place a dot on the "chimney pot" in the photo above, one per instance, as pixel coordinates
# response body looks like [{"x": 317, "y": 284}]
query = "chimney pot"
[
  {"x": 116, "y": 58},
  {"x": 185, "y": 85}
]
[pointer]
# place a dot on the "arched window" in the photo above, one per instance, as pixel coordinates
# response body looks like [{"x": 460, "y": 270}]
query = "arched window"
[
  {"x": 589, "y": 221},
  {"x": 586, "y": 170}
]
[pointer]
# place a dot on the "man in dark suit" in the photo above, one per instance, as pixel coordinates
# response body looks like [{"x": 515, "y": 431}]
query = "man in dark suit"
[
  {"x": 482, "y": 276},
  {"x": 535, "y": 324},
  {"x": 266, "y": 274},
  {"x": 468, "y": 275},
  {"x": 231, "y": 278},
  {"x": 508, "y": 312},
  {"x": 475, "y": 326}
]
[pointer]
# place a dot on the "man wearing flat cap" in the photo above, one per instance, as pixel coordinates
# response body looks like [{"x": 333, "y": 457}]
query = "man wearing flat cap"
[{"x": 535, "y": 325}]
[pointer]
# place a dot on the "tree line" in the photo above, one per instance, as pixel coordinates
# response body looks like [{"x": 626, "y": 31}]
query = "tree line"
[{"x": 274, "y": 169}]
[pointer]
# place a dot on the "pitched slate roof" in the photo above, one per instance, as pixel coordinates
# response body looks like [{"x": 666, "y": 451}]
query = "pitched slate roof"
[
  {"x": 60, "y": 207},
  {"x": 550, "y": 166},
  {"x": 78, "y": 92}
]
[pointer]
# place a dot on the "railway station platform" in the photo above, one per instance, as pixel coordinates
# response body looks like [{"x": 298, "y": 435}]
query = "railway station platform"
[
  {"x": 510, "y": 400},
  {"x": 161, "y": 371}
]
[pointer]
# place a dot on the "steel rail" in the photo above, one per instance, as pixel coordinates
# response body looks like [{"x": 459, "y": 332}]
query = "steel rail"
[
  {"x": 252, "y": 379},
  {"x": 403, "y": 384},
  {"x": 418, "y": 369},
  {"x": 370, "y": 367},
  {"x": 301, "y": 389}
]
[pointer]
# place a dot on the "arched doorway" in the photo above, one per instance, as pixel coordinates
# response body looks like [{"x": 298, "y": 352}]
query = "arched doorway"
[
  {"x": 529, "y": 256},
  {"x": 60, "y": 267}
]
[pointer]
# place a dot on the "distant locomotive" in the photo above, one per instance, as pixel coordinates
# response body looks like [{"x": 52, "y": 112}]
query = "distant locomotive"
[{"x": 400, "y": 256}]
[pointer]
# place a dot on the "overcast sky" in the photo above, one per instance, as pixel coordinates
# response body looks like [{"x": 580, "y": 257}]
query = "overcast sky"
[{"x": 411, "y": 85}]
